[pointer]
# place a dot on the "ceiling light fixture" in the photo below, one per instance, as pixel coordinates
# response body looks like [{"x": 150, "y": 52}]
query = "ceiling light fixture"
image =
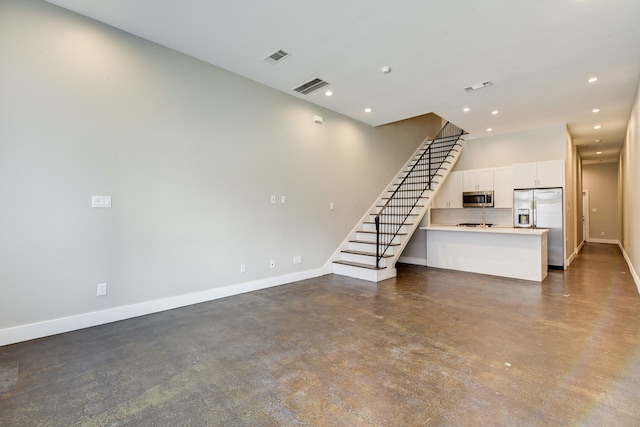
[
  {"x": 367, "y": 110},
  {"x": 598, "y": 152},
  {"x": 386, "y": 69},
  {"x": 328, "y": 93},
  {"x": 595, "y": 110},
  {"x": 598, "y": 140},
  {"x": 490, "y": 130},
  {"x": 592, "y": 80},
  {"x": 596, "y": 127},
  {"x": 466, "y": 109},
  {"x": 494, "y": 112}
]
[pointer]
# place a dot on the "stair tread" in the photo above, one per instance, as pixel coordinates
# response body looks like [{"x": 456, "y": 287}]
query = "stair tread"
[
  {"x": 373, "y": 254},
  {"x": 357, "y": 264}
]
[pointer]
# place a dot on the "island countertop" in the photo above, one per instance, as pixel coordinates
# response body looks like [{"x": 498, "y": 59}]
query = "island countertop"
[{"x": 519, "y": 253}]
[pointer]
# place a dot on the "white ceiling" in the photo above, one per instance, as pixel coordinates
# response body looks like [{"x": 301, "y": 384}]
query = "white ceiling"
[{"x": 538, "y": 54}]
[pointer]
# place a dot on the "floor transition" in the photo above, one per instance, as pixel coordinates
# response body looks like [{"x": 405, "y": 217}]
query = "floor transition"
[{"x": 430, "y": 347}]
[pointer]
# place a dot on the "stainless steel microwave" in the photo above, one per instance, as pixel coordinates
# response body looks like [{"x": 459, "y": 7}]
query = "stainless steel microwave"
[{"x": 477, "y": 199}]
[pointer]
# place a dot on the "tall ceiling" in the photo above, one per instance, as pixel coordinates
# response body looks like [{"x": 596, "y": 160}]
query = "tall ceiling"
[{"x": 538, "y": 55}]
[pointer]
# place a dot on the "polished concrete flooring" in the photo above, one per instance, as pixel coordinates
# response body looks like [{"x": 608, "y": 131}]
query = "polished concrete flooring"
[{"x": 430, "y": 347}]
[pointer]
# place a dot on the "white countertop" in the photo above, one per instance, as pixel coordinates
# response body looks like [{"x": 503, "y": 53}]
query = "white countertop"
[{"x": 495, "y": 229}]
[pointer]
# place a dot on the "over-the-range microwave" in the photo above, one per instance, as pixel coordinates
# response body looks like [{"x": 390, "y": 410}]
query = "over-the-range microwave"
[{"x": 477, "y": 199}]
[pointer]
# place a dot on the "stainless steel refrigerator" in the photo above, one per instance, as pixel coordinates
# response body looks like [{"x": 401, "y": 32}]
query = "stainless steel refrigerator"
[{"x": 542, "y": 208}]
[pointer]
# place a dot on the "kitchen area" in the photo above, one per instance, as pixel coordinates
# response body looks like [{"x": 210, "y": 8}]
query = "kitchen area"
[{"x": 505, "y": 221}]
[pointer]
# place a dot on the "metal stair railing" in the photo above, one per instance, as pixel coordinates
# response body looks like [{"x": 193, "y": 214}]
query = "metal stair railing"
[{"x": 395, "y": 212}]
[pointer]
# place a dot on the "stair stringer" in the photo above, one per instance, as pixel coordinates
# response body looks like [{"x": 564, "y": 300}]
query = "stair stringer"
[{"x": 389, "y": 271}]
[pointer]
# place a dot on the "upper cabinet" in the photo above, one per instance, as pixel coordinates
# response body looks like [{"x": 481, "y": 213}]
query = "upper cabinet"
[
  {"x": 450, "y": 194},
  {"x": 538, "y": 174},
  {"x": 502, "y": 187},
  {"x": 477, "y": 180}
]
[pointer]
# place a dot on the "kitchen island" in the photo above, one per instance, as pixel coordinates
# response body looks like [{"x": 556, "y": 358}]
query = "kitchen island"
[{"x": 500, "y": 251}]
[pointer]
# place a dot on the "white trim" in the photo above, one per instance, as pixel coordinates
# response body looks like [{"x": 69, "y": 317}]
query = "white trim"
[
  {"x": 608, "y": 241},
  {"x": 634, "y": 273},
  {"x": 86, "y": 320},
  {"x": 413, "y": 261}
]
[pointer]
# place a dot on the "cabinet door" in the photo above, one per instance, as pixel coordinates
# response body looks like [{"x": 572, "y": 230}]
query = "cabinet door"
[
  {"x": 442, "y": 197},
  {"x": 551, "y": 174},
  {"x": 524, "y": 175},
  {"x": 502, "y": 188},
  {"x": 469, "y": 180},
  {"x": 455, "y": 189},
  {"x": 485, "y": 179}
]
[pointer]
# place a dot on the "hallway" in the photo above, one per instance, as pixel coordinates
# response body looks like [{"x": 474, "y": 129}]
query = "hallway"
[{"x": 429, "y": 347}]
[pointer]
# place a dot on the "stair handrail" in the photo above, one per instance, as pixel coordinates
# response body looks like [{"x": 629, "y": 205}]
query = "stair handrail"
[{"x": 449, "y": 135}]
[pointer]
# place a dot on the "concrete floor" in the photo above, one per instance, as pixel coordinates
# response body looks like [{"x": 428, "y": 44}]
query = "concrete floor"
[{"x": 431, "y": 347}]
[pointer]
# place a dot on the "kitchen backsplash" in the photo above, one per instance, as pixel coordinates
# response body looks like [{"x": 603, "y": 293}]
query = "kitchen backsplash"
[{"x": 458, "y": 216}]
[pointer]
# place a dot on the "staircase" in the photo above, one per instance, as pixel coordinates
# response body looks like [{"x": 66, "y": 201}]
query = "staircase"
[{"x": 373, "y": 247}]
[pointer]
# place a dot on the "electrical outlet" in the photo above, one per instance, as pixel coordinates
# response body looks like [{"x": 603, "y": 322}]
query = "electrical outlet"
[
  {"x": 243, "y": 268},
  {"x": 273, "y": 200},
  {"x": 102, "y": 289},
  {"x": 297, "y": 259},
  {"x": 272, "y": 263},
  {"x": 283, "y": 199}
]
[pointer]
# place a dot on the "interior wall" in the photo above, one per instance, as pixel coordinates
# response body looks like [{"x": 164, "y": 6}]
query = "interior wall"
[
  {"x": 533, "y": 145},
  {"x": 601, "y": 179},
  {"x": 190, "y": 154},
  {"x": 630, "y": 173}
]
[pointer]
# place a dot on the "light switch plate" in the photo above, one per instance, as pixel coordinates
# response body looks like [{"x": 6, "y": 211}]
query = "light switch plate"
[{"x": 100, "y": 201}]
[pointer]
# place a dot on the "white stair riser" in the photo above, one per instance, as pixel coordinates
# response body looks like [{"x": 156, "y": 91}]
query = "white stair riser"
[
  {"x": 367, "y": 247},
  {"x": 358, "y": 273},
  {"x": 372, "y": 227},
  {"x": 362, "y": 259},
  {"x": 371, "y": 237}
]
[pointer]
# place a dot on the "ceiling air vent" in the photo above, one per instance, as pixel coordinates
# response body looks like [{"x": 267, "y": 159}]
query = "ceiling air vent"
[
  {"x": 310, "y": 86},
  {"x": 276, "y": 56},
  {"x": 478, "y": 86}
]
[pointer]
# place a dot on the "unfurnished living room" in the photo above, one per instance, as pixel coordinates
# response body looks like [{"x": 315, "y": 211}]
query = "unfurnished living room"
[{"x": 288, "y": 213}]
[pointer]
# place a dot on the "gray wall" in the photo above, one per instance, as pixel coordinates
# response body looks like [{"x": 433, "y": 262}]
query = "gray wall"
[
  {"x": 630, "y": 190},
  {"x": 190, "y": 154},
  {"x": 601, "y": 180}
]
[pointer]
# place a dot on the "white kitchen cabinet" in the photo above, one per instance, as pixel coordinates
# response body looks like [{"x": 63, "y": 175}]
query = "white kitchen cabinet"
[
  {"x": 477, "y": 180},
  {"x": 502, "y": 187},
  {"x": 538, "y": 174},
  {"x": 450, "y": 194}
]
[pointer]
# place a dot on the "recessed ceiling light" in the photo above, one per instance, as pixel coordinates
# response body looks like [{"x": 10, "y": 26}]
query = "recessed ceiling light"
[
  {"x": 466, "y": 109},
  {"x": 596, "y": 127},
  {"x": 489, "y": 130},
  {"x": 494, "y": 112},
  {"x": 595, "y": 110},
  {"x": 598, "y": 140},
  {"x": 367, "y": 110},
  {"x": 386, "y": 69},
  {"x": 593, "y": 80},
  {"x": 598, "y": 152},
  {"x": 329, "y": 93}
]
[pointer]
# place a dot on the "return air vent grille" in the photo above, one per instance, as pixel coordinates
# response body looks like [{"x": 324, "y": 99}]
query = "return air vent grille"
[
  {"x": 310, "y": 86},
  {"x": 477, "y": 86},
  {"x": 276, "y": 56}
]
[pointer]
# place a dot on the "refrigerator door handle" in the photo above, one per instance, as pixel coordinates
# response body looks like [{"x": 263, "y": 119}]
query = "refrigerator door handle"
[{"x": 534, "y": 214}]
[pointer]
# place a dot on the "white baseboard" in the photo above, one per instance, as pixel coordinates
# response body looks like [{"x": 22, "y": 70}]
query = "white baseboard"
[
  {"x": 607, "y": 241},
  {"x": 413, "y": 261},
  {"x": 633, "y": 271},
  {"x": 86, "y": 320}
]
